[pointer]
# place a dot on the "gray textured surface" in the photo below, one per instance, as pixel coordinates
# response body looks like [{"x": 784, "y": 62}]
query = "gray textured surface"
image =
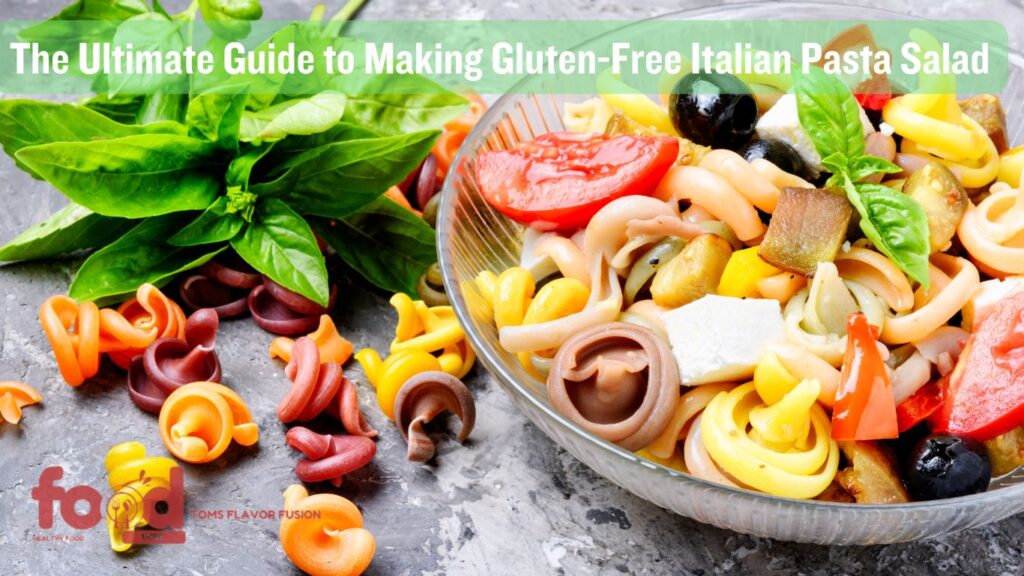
[{"x": 508, "y": 502}]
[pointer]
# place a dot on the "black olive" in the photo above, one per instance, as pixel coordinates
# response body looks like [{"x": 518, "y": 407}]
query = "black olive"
[
  {"x": 777, "y": 152},
  {"x": 714, "y": 110},
  {"x": 946, "y": 466}
]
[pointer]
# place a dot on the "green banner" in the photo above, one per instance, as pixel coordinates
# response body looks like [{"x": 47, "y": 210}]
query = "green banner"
[{"x": 154, "y": 53}]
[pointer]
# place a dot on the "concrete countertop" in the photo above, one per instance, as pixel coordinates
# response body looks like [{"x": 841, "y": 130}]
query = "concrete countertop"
[{"x": 507, "y": 502}]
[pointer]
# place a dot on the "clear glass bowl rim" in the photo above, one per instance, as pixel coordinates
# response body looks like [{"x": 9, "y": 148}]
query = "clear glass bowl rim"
[{"x": 497, "y": 368}]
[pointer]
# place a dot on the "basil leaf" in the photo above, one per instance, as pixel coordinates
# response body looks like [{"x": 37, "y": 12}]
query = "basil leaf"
[
  {"x": 896, "y": 224},
  {"x": 399, "y": 104},
  {"x": 838, "y": 164},
  {"x": 102, "y": 17},
  {"x": 864, "y": 166},
  {"x": 133, "y": 176},
  {"x": 338, "y": 179},
  {"x": 228, "y": 19},
  {"x": 215, "y": 116},
  {"x": 829, "y": 114},
  {"x": 25, "y": 123},
  {"x": 280, "y": 244},
  {"x": 214, "y": 225},
  {"x": 241, "y": 167},
  {"x": 123, "y": 109},
  {"x": 163, "y": 104},
  {"x": 149, "y": 32},
  {"x": 140, "y": 256},
  {"x": 294, "y": 145},
  {"x": 302, "y": 116},
  {"x": 387, "y": 244},
  {"x": 68, "y": 230},
  {"x": 159, "y": 8}
]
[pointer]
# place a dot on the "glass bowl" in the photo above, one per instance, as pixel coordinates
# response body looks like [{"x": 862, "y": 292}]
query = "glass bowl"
[{"x": 473, "y": 237}]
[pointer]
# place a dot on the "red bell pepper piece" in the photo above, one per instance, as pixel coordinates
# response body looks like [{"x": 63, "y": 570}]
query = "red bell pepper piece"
[
  {"x": 919, "y": 407},
  {"x": 873, "y": 101},
  {"x": 864, "y": 409},
  {"x": 985, "y": 397}
]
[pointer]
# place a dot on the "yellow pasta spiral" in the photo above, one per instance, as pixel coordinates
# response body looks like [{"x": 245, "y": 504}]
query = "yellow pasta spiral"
[
  {"x": 511, "y": 296},
  {"x": 993, "y": 231},
  {"x": 933, "y": 125},
  {"x": 132, "y": 475},
  {"x": 784, "y": 449},
  {"x": 432, "y": 329}
]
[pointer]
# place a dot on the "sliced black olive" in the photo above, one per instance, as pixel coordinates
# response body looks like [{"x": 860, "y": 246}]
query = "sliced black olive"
[
  {"x": 946, "y": 466},
  {"x": 715, "y": 110},
  {"x": 777, "y": 152}
]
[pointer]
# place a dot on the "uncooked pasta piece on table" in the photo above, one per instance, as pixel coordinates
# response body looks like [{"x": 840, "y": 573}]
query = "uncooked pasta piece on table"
[
  {"x": 199, "y": 421},
  {"x": 170, "y": 363},
  {"x": 333, "y": 347},
  {"x": 132, "y": 475},
  {"x": 323, "y": 534},
  {"x": 329, "y": 457},
  {"x": 421, "y": 399},
  {"x": 13, "y": 397}
]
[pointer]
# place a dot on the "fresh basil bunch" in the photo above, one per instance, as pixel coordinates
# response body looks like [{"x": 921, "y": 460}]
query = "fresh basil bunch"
[
  {"x": 164, "y": 183},
  {"x": 894, "y": 222}
]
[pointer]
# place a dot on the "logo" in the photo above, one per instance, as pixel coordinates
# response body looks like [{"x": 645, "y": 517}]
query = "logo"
[{"x": 146, "y": 502}]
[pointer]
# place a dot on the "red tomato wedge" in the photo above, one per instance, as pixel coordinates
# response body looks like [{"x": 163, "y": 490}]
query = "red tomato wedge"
[
  {"x": 916, "y": 409},
  {"x": 865, "y": 408},
  {"x": 985, "y": 397},
  {"x": 560, "y": 180}
]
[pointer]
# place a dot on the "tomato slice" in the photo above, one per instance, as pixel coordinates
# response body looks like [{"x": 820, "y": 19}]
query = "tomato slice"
[
  {"x": 864, "y": 409},
  {"x": 985, "y": 397},
  {"x": 560, "y": 180},
  {"x": 919, "y": 407}
]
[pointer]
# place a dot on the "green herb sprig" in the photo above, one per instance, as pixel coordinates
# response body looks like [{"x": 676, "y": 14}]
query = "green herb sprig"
[
  {"x": 165, "y": 182},
  {"x": 894, "y": 222}
]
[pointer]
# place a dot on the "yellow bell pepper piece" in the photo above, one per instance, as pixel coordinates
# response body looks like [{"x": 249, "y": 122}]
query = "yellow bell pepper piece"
[
  {"x": 742, "y": 273},
  {"x": 771, "y": 379},
  {"x": 632, "y": 103}
]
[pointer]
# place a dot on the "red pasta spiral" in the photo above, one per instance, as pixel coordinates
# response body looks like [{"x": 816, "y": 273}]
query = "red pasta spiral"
[
  {"x": 280, "y": 311},
  {"x": 223, "y": 285},
  {"x": 232, "y": 288},
  {"x": 317, "y": 388},
  {"x": 170, "y": 363},
  {"x": 329, "y": 457}
]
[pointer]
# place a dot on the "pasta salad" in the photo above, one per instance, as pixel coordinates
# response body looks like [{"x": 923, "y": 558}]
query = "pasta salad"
[{"x": 811, "y": 289}]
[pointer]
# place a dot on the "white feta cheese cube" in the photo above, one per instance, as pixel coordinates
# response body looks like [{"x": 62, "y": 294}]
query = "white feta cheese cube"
[
  {"x": 720, "y": 339},
  {"x": 782, "y": 122}
]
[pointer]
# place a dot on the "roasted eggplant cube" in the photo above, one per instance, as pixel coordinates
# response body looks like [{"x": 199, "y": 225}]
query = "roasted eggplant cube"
[
  {"x": 808, "y": 227},
  {"x": 987, "y": 110}
]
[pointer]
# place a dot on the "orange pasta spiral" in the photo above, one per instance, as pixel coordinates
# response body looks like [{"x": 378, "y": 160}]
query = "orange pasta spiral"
[
  {"x": 142, "y": 320},
  {"x": 731, "y": 189},
  {"x": 80, "y": 333},
  {"x": 332, "y": 542},
  {"x": 455, "y": 132},
  {"x": 73, "y": 330}
]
